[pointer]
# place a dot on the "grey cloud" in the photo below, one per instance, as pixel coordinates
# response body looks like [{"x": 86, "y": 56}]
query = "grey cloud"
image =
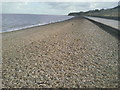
[
  {"x": 56, "y": 7},
  {"x": 63, "y": 5},
  {"x": 80, "y": 5}
]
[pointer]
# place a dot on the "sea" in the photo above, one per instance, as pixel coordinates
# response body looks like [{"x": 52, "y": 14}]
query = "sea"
[{"x": 13, "y": 22}]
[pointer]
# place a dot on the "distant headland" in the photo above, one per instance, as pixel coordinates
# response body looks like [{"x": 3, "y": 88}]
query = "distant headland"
[{"x": 105, "y": 13}]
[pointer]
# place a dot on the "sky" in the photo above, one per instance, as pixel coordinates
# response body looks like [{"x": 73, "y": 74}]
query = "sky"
[{"x": 53, "y": 8}]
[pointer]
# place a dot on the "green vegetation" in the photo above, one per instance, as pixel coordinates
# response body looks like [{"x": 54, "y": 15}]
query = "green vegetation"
[{"x": 113, "y": 12}]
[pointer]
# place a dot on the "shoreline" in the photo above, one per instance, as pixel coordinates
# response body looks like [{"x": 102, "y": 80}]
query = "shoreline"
[
  {"x": 71, "y": 54},
  {"x": 32, "y": 26}
]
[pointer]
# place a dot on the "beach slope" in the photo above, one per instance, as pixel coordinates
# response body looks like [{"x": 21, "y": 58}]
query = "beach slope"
[{"x": 72, "y": 53}]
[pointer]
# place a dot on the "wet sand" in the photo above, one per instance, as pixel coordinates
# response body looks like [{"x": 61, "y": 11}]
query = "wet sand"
[{"x": 74, "y": 53}]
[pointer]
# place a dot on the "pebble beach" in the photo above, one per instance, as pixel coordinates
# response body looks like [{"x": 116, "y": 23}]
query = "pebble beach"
[{"x": 74, "y": 53}]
